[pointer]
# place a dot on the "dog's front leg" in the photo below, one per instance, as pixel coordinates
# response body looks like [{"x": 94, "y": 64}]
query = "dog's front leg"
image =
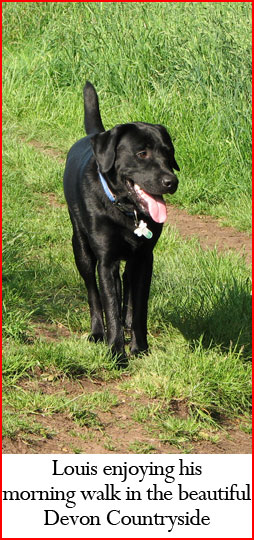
[
  {"x": 108, "y": 280},
  {"x": 140, "y": 276}
]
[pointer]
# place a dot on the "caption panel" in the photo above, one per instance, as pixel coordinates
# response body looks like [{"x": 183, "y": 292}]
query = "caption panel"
[{"x": 125, "y": 496}]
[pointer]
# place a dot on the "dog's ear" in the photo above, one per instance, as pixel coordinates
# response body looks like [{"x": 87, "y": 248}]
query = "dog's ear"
[
  {"x": 167, "y": 140},
  {"x": 104, "y": 146},
  {"x": 175, "y": 165}
]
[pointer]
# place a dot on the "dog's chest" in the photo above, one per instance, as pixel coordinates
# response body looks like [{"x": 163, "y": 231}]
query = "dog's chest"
[
  {"x": 116, "y": 238},
  {"x": 128, "y": 244}
]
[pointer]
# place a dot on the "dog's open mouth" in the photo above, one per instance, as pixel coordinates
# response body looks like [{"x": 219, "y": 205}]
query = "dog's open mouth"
[{"x": 154, "y": 205}]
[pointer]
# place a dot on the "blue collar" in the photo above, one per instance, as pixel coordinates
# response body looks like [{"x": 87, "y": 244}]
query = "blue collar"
[
  {"x": 141, "y": 227},
  {"x": 106, "y": 188},
  {"x": 113, "y": 199}
]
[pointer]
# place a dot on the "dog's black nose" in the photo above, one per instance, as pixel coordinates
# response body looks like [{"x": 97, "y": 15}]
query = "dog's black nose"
[{"x": 170, "y": 182}]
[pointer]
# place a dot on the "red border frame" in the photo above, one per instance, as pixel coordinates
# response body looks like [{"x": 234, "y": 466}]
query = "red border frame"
[{"x": 128, "y": 1}]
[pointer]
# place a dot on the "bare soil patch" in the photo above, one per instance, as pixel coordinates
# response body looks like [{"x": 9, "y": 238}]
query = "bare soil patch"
[
  {"x": 47, "y": 150},
  {"x": 210, "y": 232},
  {"x": 51, "y": 200},
  {"x": 115, "y": 430},
  {"x": 50, "y": 332}
]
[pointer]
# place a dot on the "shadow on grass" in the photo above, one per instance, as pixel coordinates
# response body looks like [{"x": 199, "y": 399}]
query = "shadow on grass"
[
  {"x": 224, "y": 320},
  {"x": 227, "y": 322},
  {"x": 208, "y": 297},
  {"x": 43, "y": 292}
]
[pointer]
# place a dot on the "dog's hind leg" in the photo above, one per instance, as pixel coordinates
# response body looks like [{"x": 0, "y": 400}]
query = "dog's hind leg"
[
  {"x": 86, "y": 263},
  {"x": 127, "y": 301},
  {"x": 118, "y": 286}
]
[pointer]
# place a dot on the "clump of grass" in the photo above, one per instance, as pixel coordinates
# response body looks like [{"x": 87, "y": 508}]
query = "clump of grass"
[
  {"x": 214, "y": 384},
  {"x": 83, "y": 417},
  {"x": 69, "y": 357},
  {"x": 21, "y": 406},
  {"x": 203, "y": 294},
  {"x": 22, "y": 426},
  {"x": 138, "y": 447}
]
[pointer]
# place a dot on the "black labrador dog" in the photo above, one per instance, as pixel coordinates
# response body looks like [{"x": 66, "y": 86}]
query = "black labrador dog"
[{"x": 113, "y": 183}]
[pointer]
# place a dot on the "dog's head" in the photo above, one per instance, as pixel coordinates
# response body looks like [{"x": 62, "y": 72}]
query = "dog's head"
[{"x": 138, "y": 160}]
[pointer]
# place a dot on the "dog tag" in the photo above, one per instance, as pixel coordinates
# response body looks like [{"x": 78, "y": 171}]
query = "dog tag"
[{"x": 142, "y": 230}]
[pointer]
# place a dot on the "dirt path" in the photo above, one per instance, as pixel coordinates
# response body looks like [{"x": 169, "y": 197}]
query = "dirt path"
[
  {"x": 207, "y": 229},
  {"x": 209, "y": 232},
  {"x": 116, "y": 431}
]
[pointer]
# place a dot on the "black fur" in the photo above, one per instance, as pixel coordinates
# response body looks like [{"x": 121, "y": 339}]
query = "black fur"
[{"x": 103, "y": 231}]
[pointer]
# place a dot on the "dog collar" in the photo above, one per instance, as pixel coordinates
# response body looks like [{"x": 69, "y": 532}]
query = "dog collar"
[
  {"x": 112, "y": 197},
  {"x": 106, "y": 188},
  {"x": 141, "y": 227}
]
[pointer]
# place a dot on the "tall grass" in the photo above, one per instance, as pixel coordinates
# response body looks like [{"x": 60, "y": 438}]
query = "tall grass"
[{"x": 186, "y": 65}]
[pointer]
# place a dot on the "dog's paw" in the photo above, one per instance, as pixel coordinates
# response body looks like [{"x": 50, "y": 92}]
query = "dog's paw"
[
  {"x": 96, "y": 337},
  {"x": 138, "y": 351},
  {"x": 138, "y": 344}
]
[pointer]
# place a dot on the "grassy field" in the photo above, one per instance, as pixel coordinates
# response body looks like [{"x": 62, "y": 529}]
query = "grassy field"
[{"x": 188, "y": 67}]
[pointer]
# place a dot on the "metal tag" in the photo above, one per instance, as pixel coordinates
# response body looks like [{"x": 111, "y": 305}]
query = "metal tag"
[{"x": 142, "y": 230}]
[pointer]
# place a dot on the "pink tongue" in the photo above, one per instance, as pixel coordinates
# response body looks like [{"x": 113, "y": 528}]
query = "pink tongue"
[{"x": 156, "y": 206}]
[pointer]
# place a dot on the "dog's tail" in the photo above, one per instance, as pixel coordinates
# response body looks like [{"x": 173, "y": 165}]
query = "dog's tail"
[{"x": 93, "y": 122}]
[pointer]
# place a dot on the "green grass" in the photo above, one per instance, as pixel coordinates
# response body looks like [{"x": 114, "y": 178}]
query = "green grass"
[
  {"x": 184, "y": 65},
  {"x": 199, "y": 322},
  {"x": 14, "y": 425}
]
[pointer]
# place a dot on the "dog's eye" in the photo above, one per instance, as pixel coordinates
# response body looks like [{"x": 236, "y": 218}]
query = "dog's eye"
[{"x": 143, "y": 154}]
